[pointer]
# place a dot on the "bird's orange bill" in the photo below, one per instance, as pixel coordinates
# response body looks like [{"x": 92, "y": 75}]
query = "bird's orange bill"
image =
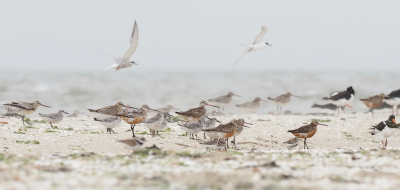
[
  {"x": 394, "y": 121},
  {"x": 212, "y": 105},
  {"x": 349, "y": 106},
  {"x": 45, "y": 105}
]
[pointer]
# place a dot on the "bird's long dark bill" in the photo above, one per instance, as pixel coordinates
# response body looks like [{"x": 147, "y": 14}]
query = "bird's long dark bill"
[
  {"x": 296, "y": 96},
  {"x": 245, "y": 126},
  {"x": 130, "y": 107},
  {"x": 248, "y": 123},
  {"x": 66, "y": 113},
  {"x": 322, "y": 124},
  {"x": 237, "y": 95},
  {"x": 212, "y": 105},
  {"x": 394, "y": 121},
  {"x": 45, "y": 105}
]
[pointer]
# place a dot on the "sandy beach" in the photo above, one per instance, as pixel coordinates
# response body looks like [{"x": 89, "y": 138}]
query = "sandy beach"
[{"x": 80, "y": 154}]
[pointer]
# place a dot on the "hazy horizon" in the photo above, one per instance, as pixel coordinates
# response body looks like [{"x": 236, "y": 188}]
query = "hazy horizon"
[{"x": 178, "y": 36}]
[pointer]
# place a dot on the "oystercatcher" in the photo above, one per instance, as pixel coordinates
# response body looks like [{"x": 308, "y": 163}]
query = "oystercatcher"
[
  {"x": 386, "y": 129},
  {"x": 393, "y": 99},
  {"x": 342, "y": 98}
]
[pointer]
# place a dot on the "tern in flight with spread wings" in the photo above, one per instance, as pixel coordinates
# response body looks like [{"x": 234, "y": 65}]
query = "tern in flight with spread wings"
[
  {"x": 124, "y": 62},
  {"x": 258, "y": 44}
]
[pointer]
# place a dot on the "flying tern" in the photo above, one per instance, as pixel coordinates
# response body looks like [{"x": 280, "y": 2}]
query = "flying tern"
[
  {"x": 258, "y": 44},
  {"x": 124, "y": 62}
]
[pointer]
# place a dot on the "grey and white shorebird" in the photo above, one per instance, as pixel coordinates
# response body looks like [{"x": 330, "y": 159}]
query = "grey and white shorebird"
[
  {"x": 393, "y": 99},
  {"x": 75, "y": 114},
  {"x": 125, "y": 62},
  {"x": 109, "y": 123},
  {"x": 341, "y": 99},
  {"x": 133, "y": 144},
  {"x": 193, "y": 128},
  {"x": 108, "y": 111},
  {"x": 166, "y": 117},
  {"x": 291, "y": 143},
  {"x": 223, "y": 101},
  {"x": 251, "y": 107},
  {"x": 239, "y": 129},
  {"x": 194, "y": 114},
  {"x": 154, "y": 122},
  {"x": 23, "y": 108},
  {"x": 213, "y": 144},
  {"x": 53, "y": 117},
  {"x": 210, "y": 123},
  {"x": 258, "y": 44},
  {"x": 282, "y": 100}
]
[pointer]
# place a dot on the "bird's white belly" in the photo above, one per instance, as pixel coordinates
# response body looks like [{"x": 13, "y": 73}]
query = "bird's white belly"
[
  {"x": 388, "y": 132},
  {"x": 343, "y": 102},
  {"x": 393, "y": 101},
  {"x": 257, "y": 47}
]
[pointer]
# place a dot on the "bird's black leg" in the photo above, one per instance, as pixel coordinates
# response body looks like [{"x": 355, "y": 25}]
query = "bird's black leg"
[
  {"x": 112, "y": 130},
  {"x": 234, "y": 141},
  {"x": 51, "y": 125},
  {"x": 204, "y": 135},
  {"x": 23, "y": 121},
  {"x": 386, "y": 143},
  {"x": 227, "y": 143},
  {"x": 305, "y": 143},
  {"x": 133, "y": 130}
]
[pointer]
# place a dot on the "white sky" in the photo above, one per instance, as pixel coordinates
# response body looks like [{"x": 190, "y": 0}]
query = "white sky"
[{"x": 338, "y": 36}]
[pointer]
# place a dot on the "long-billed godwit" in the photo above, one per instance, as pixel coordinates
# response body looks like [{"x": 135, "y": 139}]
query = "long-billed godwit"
[
  {"x": 373, "y": 101},
  {"x": 386, "y": 129},
  {"x": 23, "y": 108},
  {"x": 109, "y": 123},
  {"x": 306, "y": 131},
  {"x": 109, "y": 110},
  {"x": 222, "y": 101},
  {"x": 393, "y": 99},
  {"x": 258, "y": 44},
  {"x": 282, "y": 100},
  {"x": 251, "y": 107},
  {"x": 342, "y": 98},
  {"x": 135, "y": 117},
  {"x": 239, "y": 129},
  {"x": 224, "y": 131},
  {"x": 194, "y": 114},
  {"x": 53, "y": 117},
  {"x": 124, "y": 62}
]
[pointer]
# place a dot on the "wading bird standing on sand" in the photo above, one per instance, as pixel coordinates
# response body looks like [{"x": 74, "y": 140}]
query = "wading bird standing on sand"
[
  {"x": 223, "y": 101},
  {"x": 342, "y": 98},
  {"x": 282, "y": 100},
  {"x": 306, "y": 131},
  {"x": 194, "y": 114},
  {"x": 373, "y": 101},
  {"x": 386, "y": 129},
  {"x": 53, "y": 117},
  {"x": 393, "y": 99},
  {"x": 23, "y": 108}
]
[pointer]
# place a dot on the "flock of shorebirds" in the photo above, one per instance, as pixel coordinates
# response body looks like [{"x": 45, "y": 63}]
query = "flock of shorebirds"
[{"x": 195, "y": 120}]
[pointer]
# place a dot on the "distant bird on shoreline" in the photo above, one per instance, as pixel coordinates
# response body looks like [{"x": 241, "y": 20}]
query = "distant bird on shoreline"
[
  {"x": 223, "y": 101},
  {"x": 23, "y": 108},
  {"x": 109, "y": 110},
  {"x": 282, "y": 100},
  {"x": 258, "y": 44},
  {"x": 124, "y": 62},
  {"x": 251, "y": 107},
  {"x": 373, "y": 101},
  {"x": 393, "y": 99},
  {"x": 342, "y": 98}
]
